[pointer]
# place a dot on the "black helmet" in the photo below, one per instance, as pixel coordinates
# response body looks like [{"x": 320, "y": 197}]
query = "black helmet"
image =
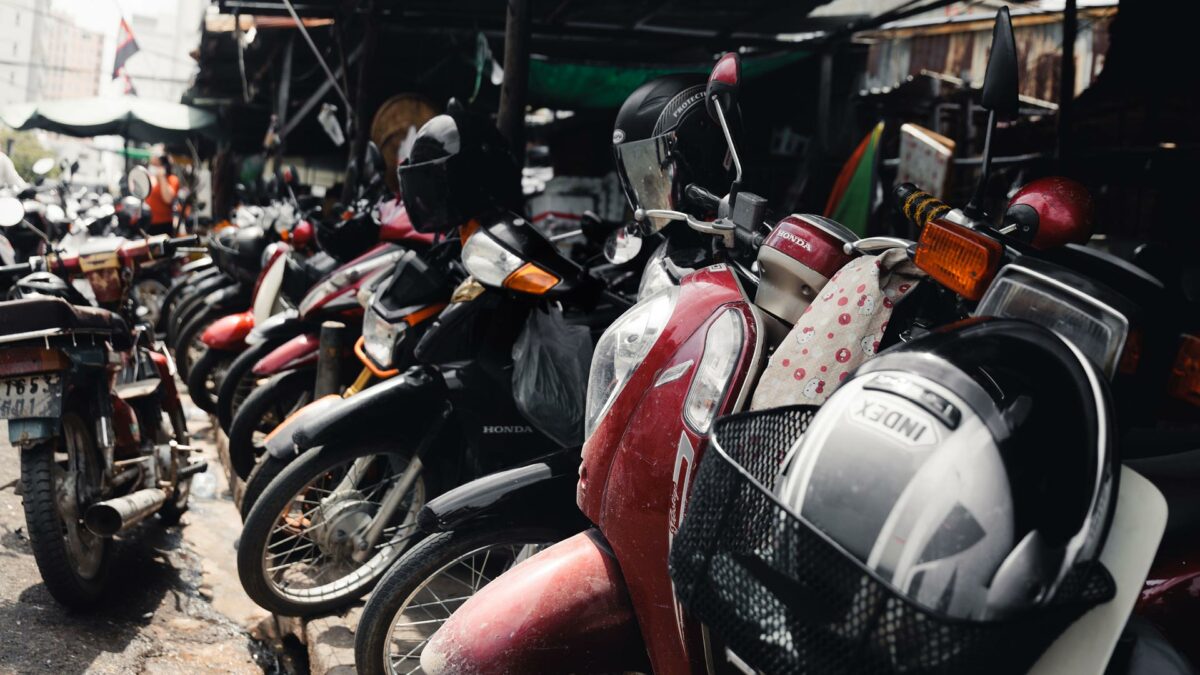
[
  {"x": 459, "y": 168},
  {"x": 45, "y": 284},
  {"x": 664, "y": 140},
  {"x": 347, "y": 238},
  {"x": 991, "y": 467}
]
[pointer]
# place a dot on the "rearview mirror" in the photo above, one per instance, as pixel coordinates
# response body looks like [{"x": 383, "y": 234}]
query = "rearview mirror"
[
  {"x": 724, "y": 83},
  {"x": 1001, "y": 92},
  {"x": 139, "y": 182},
  {"x": 11, "y": 211},
  {"x": 43, "y": 166},
  {"x": 622, "y": 246}
]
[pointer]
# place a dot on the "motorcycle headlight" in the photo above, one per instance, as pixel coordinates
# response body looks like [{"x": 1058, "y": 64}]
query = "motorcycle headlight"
[
  {"x": 721, "y": 350},
  {"x": 620, "y": 350},
  {"x": 1087, "y": 319},
  {"x": 494, "y": 265},
  {"x": 655, "y": 276},
  {"x": 379, "y": 338}
]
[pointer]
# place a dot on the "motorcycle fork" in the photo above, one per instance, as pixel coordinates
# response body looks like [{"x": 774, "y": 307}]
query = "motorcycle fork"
[{"x": 366, "y": 539}]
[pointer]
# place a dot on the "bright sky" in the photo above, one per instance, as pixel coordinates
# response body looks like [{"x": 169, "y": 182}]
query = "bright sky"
[{"x": 104, "y": 15}]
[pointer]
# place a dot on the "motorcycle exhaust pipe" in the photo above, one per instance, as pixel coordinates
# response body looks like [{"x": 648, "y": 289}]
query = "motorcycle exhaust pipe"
[
  {"x": 107, "y": 518},
  {"x": 191, "y": 470}
]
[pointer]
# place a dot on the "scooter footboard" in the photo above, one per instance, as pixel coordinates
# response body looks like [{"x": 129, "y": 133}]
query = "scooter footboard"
[{"x": 564, "y": 610}]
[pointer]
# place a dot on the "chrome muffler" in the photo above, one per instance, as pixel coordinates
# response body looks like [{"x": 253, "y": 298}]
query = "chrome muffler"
[{"x": 107, "y": 518}]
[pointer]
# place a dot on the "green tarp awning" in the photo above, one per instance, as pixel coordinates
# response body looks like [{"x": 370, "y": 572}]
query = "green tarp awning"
[{"x": 134, "y": 118}]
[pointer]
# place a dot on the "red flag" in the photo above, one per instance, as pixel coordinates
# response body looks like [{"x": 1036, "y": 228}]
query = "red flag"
[
  {"x": 129, "y": 88},
  {"x": 126, "y": 47}
]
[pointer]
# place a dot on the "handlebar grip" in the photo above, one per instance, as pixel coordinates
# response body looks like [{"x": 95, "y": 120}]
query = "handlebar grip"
[
  {"x": 701, "y": 197},
  {"x": 919, "y": 206},
  {"x": 186, "y": 240},
  {"x": 18, "y": 268}
]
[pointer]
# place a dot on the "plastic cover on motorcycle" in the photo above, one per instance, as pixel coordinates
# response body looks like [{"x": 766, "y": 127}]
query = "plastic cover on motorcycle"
[
  {"x": 551, "y": 359},
  {"x": 839, "y": 331}
]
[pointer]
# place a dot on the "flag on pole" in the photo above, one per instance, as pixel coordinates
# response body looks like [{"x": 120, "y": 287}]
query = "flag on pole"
[
  {"x": 130, "y": 90},
  {"x": 850, "y": 200},
  {"x": 126, "y": 47}
]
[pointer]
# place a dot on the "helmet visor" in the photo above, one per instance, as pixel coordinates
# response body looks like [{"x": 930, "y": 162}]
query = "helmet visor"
[
  {"x": 425, "y": 189},
  {"x": 647, "y": 172}
]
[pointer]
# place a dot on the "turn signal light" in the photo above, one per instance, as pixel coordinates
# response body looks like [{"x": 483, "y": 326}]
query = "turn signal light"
[
  {"x": 530, "y": 278},
  {"x": 960, "y": 259},
  {"x": 1185, "y": 372},
  {"x": 27, "y": 360}
]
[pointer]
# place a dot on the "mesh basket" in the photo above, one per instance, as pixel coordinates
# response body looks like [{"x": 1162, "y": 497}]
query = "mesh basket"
[{"x": 786, "y": 599}]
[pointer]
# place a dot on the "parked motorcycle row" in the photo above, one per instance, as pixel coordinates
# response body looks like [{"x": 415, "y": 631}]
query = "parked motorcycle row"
[{"x": 712, "y": 439}]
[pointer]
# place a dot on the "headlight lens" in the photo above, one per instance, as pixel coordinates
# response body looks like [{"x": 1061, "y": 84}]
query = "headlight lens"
[
  {"x": 1093, "y": 327},
  {"x": 379, "y": 338},
  {"x": 655, "y": 277},
  {"x": 622, "y": 348},
  {"x": 721, "y": 350},
  {"x": 488, "y": 261}
]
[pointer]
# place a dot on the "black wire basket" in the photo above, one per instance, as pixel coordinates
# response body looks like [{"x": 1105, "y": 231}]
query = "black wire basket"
[{"x": 786, "y": 599}]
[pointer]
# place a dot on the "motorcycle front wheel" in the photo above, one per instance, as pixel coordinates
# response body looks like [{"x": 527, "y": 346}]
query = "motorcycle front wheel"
[
  {"x": 264, "y": 409},
  {"x": 73, "y": 562},
  {"x": 427, "y": 584},
  {"x": 298, "y": 545}
]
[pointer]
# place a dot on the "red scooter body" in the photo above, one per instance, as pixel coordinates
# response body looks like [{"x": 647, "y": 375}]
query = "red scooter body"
[
  {"x": 396, "y": 226},
  {"x": 634, "y": 482},
  {"x": 229, "y": 333},
  {"x": 300, "y": 351}
]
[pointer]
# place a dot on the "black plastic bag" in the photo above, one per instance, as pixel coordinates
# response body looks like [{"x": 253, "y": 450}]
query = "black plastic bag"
[{"x": 551, "y": 359}]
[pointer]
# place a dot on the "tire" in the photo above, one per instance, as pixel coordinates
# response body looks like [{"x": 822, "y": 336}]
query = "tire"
[
  {"x": 268, "y": 468},
  {"x": 279, "y": 590},
  {"x": 74, "y": 575},
  {"x": 266, "y": 408},
  {"x": 190, "y": 335},
  {"x": 183, "y": 312},
  {"x": 211, "y": 367},
  {"x": 433, "y": 561},
  {"x": 239, "y": 381}
]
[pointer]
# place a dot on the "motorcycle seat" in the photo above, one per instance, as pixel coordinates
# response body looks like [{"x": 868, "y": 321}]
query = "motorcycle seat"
[{"x": 37, "y": 314}]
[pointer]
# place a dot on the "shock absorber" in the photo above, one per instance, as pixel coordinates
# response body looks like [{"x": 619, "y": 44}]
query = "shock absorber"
[{"x": 919, "y": 206}]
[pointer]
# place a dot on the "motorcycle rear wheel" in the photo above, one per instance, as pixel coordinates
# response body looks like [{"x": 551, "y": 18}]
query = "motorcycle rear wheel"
[
  {"x": 205, "y": 377},
  {"x": 266, "y": 408},
  {"x": 427, "y": 584},
  {"x": 73, "y": 562},
  {"x": 303, "y": 519}
]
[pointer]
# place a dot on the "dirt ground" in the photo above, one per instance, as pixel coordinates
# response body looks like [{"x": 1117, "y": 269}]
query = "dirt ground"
[{"x": 175, "y": 604}]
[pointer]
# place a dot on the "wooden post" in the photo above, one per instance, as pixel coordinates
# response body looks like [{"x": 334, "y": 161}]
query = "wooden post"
[
  {"x": 825, "y": 100},
  {"x": 514, "y": 89},
  {"x": 1066, "y": 79},
  {"x": 362, "y": 122},
  {"x": 334, "y": 340}
]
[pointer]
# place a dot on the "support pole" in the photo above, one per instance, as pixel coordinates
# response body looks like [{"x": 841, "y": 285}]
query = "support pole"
[
  {"x": 1066, "y": 80},
  {"x": 281, "y": 105},
  {"x": 362, "y": 118},
  {"x": 825, "y": 100},
  {"x": 514, "y": 89},
  {"x": 335, "y": 339}
]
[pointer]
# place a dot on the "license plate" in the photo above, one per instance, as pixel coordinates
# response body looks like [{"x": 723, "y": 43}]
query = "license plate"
[{"x": 31, "y": 396}]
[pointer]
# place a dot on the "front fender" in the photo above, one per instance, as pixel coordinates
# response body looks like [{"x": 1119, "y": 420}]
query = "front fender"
[
  {"x": 299, "y": 351},
  {"x": 228, "y": 333},
  {"x": 383, "y": 409},
  {"x": 283, "y": 325},
  {"x": 525, "y": 493},
  {"x": 565, "y": 610},
  {"x": 279, "y": 443},
  {"x": 235, "y": 296}
]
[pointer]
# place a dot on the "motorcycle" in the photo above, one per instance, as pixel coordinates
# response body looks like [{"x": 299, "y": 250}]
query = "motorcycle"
[{"x": 85, "y": 397}]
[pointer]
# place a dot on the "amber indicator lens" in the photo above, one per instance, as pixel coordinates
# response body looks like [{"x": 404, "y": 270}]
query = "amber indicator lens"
[
  {"x": 960, "y": 259},
  {"x": 530, "y": 278}
]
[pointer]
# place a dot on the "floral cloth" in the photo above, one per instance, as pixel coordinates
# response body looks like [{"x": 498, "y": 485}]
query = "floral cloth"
[{"x": 839, "y": 330}]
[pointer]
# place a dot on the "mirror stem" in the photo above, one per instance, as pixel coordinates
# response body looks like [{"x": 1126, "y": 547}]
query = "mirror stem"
[
  {"x": 974, "y": 208},
  {"x": 737, "y": 162},
  {"x": 39, "y": 233}
]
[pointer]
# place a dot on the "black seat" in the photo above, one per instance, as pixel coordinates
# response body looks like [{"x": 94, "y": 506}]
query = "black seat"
[{"x": 37, "y": 314}]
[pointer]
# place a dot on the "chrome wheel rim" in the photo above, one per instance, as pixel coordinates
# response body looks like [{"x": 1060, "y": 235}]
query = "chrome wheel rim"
[
  {"x": 306, "y": 559},
  {"x": 439, "y": 595},
  {"x": 73, "y": 462}
]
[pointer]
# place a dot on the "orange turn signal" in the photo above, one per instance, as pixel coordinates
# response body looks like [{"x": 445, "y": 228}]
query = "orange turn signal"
[
  {"x": 960, "y": 259},
  {"x": 1185, "y": 372},
  {"x": 424, "y": 313},
  {"x": 530, "y": 278}
]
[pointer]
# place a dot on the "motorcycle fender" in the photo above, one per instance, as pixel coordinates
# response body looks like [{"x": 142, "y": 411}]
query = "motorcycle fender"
[
  {"x": 170, "y": 397},
  {"x": 279, "y": 443},
  {"x": 282, "y": 326},
  {"x": 22, "y": 432},
  {"x": 523, "y": 491},
  {"x": 564, "y": 610},
  {"x": 228, "y": 333},
  {"x": 413, "y": 395},
  {"x": 300, "y": 350},
  {"x": 197, "y": 265},
  {"x": 231, "y": 297}
]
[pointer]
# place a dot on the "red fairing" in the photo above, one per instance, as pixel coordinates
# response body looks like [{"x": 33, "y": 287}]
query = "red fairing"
[
  {"x": 1064, "y": 211},
  {"x": 299, "y": 351},
  {"x": 1171, "y": 600},
  {"x": 397, "y": 226},
  {"x": 170, "y": 399},
  {"x": 796, "y": 238},
  {"x": 639, "y": 464},
  {"x": 228, "y": 333},
  {"x": 565, "y": 610}
]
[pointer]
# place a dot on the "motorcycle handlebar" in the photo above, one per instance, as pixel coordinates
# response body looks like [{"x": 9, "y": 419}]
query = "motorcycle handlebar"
[
  {"x": 919, "y": 206},
  {"x": 701, "y": 197},
  {"x": 18, "y": 268}
]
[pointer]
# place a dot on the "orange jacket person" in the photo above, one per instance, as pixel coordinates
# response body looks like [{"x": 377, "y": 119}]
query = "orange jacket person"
[{"x": 163, "y": 188}]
